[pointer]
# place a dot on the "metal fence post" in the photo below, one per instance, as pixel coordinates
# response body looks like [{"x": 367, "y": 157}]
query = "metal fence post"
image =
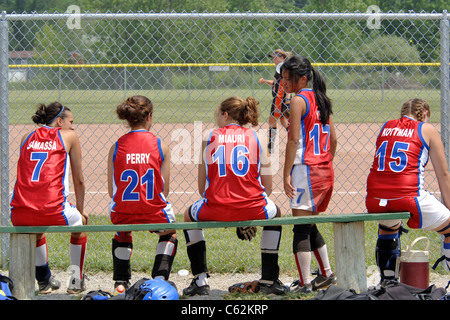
[
  {"x": 4, "y": 133},
  {"x": 445, "y": 59},
  {"x": 445, "y": 88}
]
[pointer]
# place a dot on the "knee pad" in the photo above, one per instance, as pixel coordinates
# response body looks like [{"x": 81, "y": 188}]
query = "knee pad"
[
  {"x": 387, "y": 254},
  {"x": 270, "y": 238},
  {"x": 165, "y": 254},
  {"x": 316, "y": 238},
  {"x": 301, "y": 242},
  {"x": 121, "y": 252}
]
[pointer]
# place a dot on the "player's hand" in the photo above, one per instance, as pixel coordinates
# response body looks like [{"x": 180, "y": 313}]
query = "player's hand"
[
  {"x": 289, "y": 190},
  {"x": 261, "y": 80},
  {"x": 246, "y": 233}
]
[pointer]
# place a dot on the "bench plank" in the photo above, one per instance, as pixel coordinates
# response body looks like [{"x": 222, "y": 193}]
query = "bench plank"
[{"x": 330, "y": 218}]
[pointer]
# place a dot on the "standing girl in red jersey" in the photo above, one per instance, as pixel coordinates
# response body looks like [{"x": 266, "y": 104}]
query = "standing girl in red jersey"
[
  {"x": 308, "y": 169},
  {"x": 42, "y": 186},
  {"x": 396, "y": 183},
  {"x": 138, "y": 184},
  {"x": 235, "y": 180}
]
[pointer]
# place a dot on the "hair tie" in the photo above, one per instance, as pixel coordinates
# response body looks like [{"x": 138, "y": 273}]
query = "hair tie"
[{"x": 56, "y": 116}]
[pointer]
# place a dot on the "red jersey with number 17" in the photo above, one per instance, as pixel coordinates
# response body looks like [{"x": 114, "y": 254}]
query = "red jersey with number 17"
[
  {"x": 232, "y": 159},
  {"x": 138, "y": 184},
  {"x": 314, "y": 146},
  {"x": 400, "y": 159},
  {"x": 42, "y": 173}
]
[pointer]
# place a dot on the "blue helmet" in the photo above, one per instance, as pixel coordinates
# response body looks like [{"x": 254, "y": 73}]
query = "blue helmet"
[{"x": 158, "y": 289}]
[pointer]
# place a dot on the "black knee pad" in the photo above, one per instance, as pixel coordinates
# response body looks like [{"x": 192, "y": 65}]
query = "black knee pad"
[
  {"x": 302, "y": 235},
  {"x": 164, "y": 260},
  {"x": 387, "y": 254},
  {"x": 316, "y": 238},
  {"x": 121, "y": 267}
]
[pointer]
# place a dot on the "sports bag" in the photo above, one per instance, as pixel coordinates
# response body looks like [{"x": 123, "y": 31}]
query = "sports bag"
[{"x": 6, "y": 286}]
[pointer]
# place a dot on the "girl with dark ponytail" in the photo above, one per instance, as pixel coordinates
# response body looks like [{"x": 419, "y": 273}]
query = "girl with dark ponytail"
[{"x": 308, "y": 169}]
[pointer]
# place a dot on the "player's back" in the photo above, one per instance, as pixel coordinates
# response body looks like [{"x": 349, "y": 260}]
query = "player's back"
[
  {"x": 400, "y": 159},
  {"x": 42, "y": 172},
  {"x": 314, "y": 146},
  {"x": 232, "y": 157},
  {"x": 138, "y": 183}
]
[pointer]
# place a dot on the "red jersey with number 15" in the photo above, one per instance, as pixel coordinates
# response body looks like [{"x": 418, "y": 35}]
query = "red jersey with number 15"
[
  {"x": 314, "y": 146},
  {"x": 400, "y": 159},
  {"x": 138, "y": 184},
  {"x": 42, "y": 173}
]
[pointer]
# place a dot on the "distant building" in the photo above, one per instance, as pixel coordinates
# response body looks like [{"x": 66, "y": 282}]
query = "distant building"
[{"x": 19, "y": 58}]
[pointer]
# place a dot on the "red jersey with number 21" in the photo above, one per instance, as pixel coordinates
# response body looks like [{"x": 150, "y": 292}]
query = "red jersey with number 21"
[{"x": 138, "y": 183}]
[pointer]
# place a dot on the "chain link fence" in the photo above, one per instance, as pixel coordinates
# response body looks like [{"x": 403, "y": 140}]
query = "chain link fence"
[{"x": 187, "y": 63}]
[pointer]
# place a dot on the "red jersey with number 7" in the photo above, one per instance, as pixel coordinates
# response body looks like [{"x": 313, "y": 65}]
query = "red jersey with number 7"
[
  {"x": 42, "y": 173},
  {"x": 138, "y": 184},
  {"x": 399, "y": 162}
]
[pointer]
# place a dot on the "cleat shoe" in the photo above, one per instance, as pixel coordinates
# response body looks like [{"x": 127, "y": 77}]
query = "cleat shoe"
[
  {"x": 77, "y": 285},
  {"x": 276, "y": 287},
  {"x": 194, "y": 289},
  {"x": 322, "y": 282},
  {"x": 305, "y": 289},
  {"x": 47, "y": 286}
]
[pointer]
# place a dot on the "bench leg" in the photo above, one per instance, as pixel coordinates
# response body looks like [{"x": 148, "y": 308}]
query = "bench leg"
[
  {"x": 349, "y": 250},
  {"x": 22, "y": 265}
]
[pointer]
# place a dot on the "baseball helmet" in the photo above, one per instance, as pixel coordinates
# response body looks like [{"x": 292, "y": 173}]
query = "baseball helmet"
[{"x": 158, "y": 289}]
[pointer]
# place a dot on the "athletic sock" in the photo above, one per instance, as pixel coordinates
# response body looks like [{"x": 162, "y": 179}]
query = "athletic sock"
[
  {"x": 303, "y": 262},
  {"x": 321, "y": 255},
  {"x": 43, "y": 272}
]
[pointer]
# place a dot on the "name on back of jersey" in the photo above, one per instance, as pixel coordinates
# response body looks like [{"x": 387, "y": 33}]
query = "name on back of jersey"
[
  {"x": 42, "y": 145},
  {"x": 138, "y": 158},
  {"x": 397, "y": 132}
]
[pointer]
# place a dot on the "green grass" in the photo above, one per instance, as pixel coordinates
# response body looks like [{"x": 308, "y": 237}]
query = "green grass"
[{"x": 98, "y": 106}]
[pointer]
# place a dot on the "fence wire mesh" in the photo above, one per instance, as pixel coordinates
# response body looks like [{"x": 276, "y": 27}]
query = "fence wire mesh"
[{"x": 186, "y": 63}]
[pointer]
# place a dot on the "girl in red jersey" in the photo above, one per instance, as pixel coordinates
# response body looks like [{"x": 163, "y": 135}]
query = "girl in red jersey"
[
  {"x": 396, "y": 183},
  {"x": 42, "y": 186},
  {"x": 308, "y": 169},
  {"x": 235, "y": 181},
  {"x": 138, "y": 184}
]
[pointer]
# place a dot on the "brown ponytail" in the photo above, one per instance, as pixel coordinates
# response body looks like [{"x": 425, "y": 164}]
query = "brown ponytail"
[
  {"x": 415, "y": 107},
  {"x": 242, "y": 111}
]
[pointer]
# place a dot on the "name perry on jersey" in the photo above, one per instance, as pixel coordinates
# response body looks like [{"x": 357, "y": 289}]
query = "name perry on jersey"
[
  {"x": 397, "y": 132},
  {"x": 42, "y": 145},
  {"x": 138, "y": 158}
]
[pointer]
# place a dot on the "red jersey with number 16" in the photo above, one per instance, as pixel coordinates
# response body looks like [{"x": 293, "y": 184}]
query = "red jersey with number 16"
[
  {"x": 138, "y": 183},
  {"x": 232, "y": 159},
  {"x": 42, "y": 173},
  {"x": 400, "y": 159}
]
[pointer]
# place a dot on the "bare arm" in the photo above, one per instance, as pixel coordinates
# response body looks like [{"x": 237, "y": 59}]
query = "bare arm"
[
  {"x": 202, "y": 171},
  {"x": 110, "y": 170},
  {"x": 297, "y": 109},
  {"x": 266, "y": 166},
  {"x": 73, "y": 148},
  {"x": 333, "y": 139},
  {"x": 165, "y": 168},
  {"x": 438, "y": 160}
]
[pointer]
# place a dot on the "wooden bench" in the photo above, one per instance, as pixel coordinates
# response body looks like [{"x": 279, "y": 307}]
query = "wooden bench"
[{"x": 349, "y": 244}]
